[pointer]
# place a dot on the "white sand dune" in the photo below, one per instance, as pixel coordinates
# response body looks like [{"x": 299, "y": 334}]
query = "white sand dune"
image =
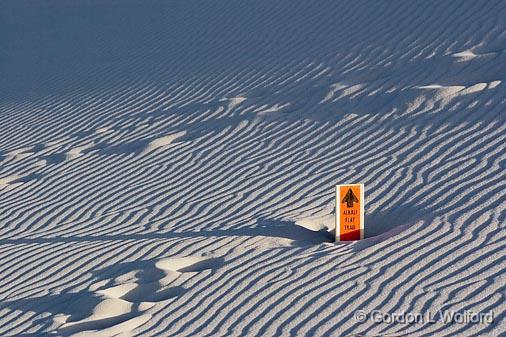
[{"x": 167, "y": 167}]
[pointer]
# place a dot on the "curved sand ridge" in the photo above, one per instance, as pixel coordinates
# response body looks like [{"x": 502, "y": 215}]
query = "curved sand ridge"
[
  {"x": 215, "y": 131},
  {"x": 122, "y": 307}
]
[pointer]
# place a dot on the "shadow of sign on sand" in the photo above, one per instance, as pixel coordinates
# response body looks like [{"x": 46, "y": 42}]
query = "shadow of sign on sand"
[
  {"x": 299, "y": 232},
  {"x": 310, "y": 230}
]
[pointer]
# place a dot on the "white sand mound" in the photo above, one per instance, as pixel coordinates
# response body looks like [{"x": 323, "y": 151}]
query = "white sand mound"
[
  {"x": 163, "y": 141},
  {"x": 167, "y": 168},
  {"x": 119, "y": 329},
  {"x": 8, "y": 179},
  {"x": 108, "y": 317},
  {"x": 189, "y": 263}
]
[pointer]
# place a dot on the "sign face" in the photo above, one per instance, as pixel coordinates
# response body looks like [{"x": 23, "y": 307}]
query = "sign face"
[{"x": 349, "y": 212}]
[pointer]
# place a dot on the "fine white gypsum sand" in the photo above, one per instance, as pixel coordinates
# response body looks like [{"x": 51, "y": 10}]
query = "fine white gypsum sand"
[{"x": 167, "y": 168}]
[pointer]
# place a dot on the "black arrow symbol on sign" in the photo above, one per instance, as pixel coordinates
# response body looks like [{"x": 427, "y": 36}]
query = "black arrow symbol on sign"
[{"x": 349, "y": 198}]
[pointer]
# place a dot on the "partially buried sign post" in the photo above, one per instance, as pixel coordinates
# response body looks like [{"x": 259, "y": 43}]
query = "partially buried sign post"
[{"x": 349, "y": 212}]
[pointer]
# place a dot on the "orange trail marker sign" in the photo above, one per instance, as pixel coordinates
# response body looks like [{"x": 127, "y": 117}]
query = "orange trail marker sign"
[{"x": 349, "y": 212}]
